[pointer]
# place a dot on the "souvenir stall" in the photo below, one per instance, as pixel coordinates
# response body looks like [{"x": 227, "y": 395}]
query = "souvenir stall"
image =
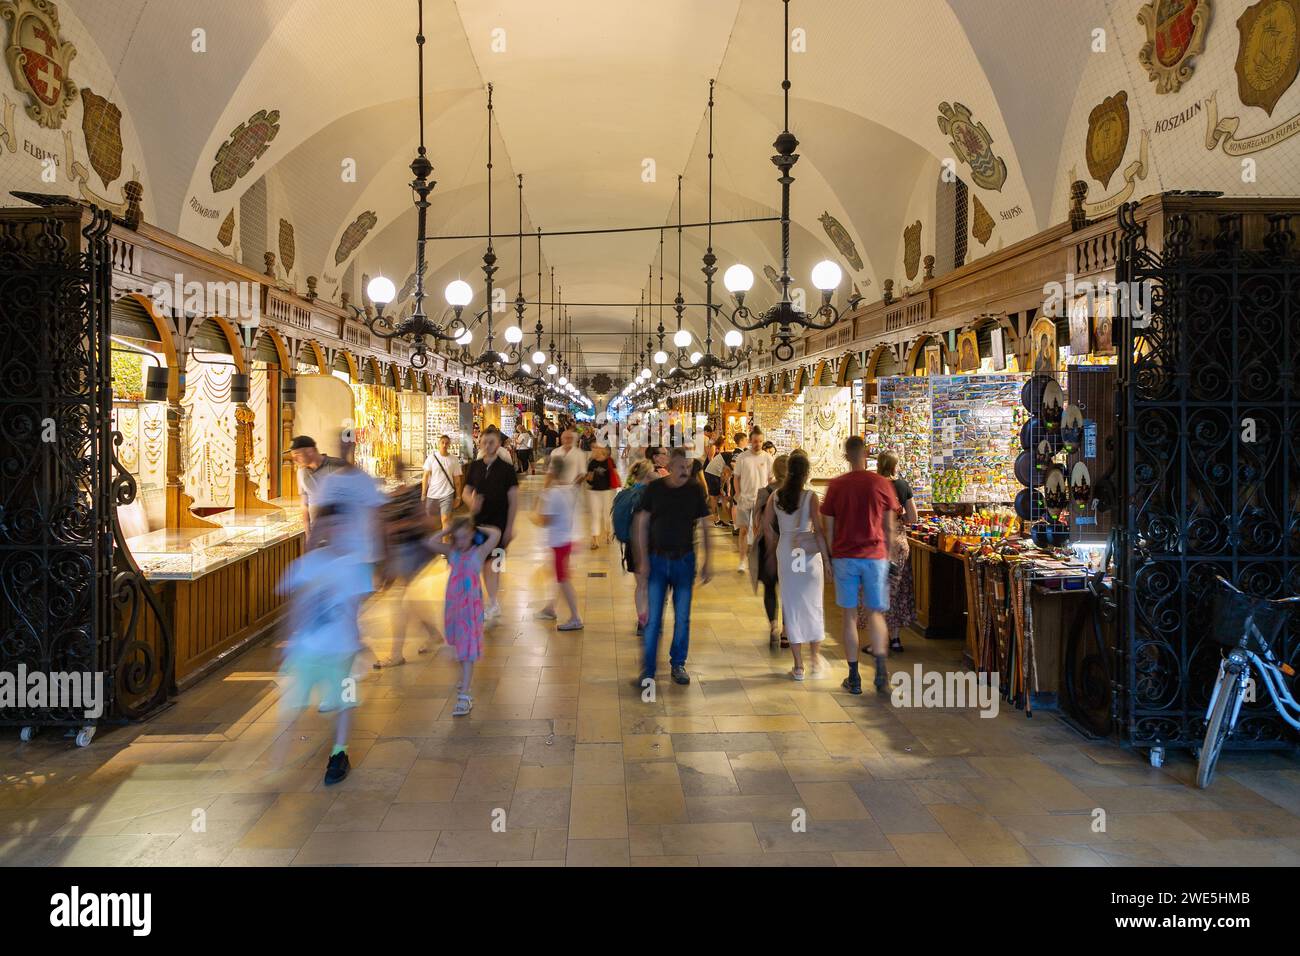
[
  {"x": 377, "y": 425},
  {"x": 413, "y": 407},
  {"x": 827, "y": 423},
  {"x": 140, "y": 416},
  {"x": 781, "y": 418},
  {"x": 214, "y": 568}
]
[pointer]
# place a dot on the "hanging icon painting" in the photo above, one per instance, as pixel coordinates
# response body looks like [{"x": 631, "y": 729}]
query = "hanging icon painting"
[{"x": 968, "y": 352}]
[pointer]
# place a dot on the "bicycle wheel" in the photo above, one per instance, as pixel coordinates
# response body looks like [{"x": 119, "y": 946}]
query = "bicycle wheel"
[{"x": 1217, "y": 727}]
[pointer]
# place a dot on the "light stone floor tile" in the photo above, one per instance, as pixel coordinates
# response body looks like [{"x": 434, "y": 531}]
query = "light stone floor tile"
[{"x": 742, "y": 767}]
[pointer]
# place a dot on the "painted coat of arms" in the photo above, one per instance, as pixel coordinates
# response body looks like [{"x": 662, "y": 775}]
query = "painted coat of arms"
[
  {"x": 38, "y": 59},
  {"x": 981, "y": 222},
  {"x": 973, "y": 145},
  {"x": 1107, "y": 137},
  {"x": 248, "y": 141},
  {"x": 101, "y": 124},
  {"x": 227, "y": 232},
  {"x": 288, "y": 251},
  {"x": 1175, "y": 36},
  {"x": 352, "y": 236},
  {"x": 843, "y": 242},
  {"x": 1268, "y": 56},
  {"x": 912, "y": 249}
]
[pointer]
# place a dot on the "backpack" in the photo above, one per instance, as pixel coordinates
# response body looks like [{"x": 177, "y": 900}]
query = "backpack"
[{"x": 625, "y": 504}]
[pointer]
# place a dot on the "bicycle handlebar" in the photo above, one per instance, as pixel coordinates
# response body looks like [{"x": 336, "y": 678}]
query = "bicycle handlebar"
[{"x": 1232, "y": 587}]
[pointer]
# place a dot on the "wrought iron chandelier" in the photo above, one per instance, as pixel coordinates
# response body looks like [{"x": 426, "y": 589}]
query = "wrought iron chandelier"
[
  {"x": 705, "y": 366},
  {"x": 417, "y": 328},
  {"x": 826, "y": 275},
  {"x": 491, "y": 363}
]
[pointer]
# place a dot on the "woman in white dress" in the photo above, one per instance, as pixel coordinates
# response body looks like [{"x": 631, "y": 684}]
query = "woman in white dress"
[{"x": 801, "y": 555}]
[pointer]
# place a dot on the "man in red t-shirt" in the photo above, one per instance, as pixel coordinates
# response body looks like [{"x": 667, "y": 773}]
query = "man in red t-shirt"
[{"x": 858, "y": 511}]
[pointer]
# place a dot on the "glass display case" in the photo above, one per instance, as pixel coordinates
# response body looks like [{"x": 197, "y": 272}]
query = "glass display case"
[
  {"x": 183, "y": 554},
  {"x": 261, "y": 527}
]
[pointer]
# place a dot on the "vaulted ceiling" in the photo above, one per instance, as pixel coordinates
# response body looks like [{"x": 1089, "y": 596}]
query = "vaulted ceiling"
[{"x": 601, "y": 105}]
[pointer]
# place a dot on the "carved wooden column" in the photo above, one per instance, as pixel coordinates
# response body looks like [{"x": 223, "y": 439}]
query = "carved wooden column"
[{"x": 179, "y": 502}]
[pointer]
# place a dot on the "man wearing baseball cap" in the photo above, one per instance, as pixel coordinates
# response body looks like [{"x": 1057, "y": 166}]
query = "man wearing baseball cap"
[{"x": 313, "y": 467}]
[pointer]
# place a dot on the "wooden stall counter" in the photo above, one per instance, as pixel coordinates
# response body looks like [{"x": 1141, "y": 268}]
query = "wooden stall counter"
[{"x": 218, "y": 587}]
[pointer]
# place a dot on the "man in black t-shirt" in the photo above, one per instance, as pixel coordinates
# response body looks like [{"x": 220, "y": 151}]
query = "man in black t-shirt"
[
  {"x": 492, "y": 489},
  {"x": 664, "y": 532}
]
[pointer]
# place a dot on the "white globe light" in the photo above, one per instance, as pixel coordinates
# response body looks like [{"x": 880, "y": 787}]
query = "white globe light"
[
  {"x": 458, "y": 293},
  {"x": 682, "y": 338},
  {"x": 514, "y": 335},
  {"x": 465, "y": 337},
  {"x": 503, "y": 356},
  {"x": 381, "y": 290},
  {"x": 696, "y": 356},
  {"x": 660, "y": 357},
  {"x": 645, "y": 373},
  {"x": 526, "y": 367},
  {"x": 539, "y": 357},
  {"x": 826, "y": 275},
  {"x": 551, "y": 369},
  {"x": 563, "y": 380},
  {"x": 738, "y": 278},
  {"x": 733, "y": 339}
]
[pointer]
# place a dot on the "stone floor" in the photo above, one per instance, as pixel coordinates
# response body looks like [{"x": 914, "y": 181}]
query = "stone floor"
[{"x": 562, "y": 752}]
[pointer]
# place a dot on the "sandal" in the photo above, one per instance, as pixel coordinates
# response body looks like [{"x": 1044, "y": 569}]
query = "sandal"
[
  {"x": 574, "y": 625},
  {"x": 547, "y": 614},
  {"x": 389, "y": 662},
  {"x": 796, "y": 673},
  {"x": 785, "y": 641},
  {"x": 464, "y": 704}
]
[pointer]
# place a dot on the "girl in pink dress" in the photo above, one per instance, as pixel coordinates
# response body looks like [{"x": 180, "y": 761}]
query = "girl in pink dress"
[{"x": 466, "y": 549}]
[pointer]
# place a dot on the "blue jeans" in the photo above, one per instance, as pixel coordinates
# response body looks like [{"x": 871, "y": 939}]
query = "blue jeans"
[{"x": 679, "y": 575}]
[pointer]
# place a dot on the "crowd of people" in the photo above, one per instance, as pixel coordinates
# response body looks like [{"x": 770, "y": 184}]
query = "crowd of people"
[{"x": 663, "y": 506}]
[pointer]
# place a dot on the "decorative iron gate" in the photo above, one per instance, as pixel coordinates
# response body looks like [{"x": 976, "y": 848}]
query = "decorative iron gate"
[
  {"x": 1210, "y": 462},
  {"x": 73, "y": 601}
]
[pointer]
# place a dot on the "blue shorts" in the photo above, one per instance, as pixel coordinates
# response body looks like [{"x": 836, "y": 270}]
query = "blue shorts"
[{"x": 862, "y": 582}]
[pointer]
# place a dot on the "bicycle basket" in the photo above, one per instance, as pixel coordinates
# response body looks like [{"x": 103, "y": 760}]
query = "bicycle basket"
[{"x": 1231, "y": 611}]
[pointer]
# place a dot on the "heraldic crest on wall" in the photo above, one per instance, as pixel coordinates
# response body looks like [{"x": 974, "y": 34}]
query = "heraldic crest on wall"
[
  {"x": 101, "y": 124},
  {"x": 1175, "y": 36},
  {"x": 1268, "y": 56},
  {"x": 1108, "y": 127},
  {"x": 353, "y": 234},
  {"x": 248, "y": 141},
  {"x": 843, "y": 242},
  {"x": 973, "y": 145},
  {"x": 38, "y": 59},
  {"x": 912, "y": 249}
]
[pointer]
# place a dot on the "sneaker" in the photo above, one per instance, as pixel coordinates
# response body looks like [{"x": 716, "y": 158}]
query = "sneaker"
[
  {"x": 735, "y": 532},
  {"x": 743, "y": 567},
  {"x": 679, "y": 675},
  {"x": 338, "y": 768},
  {"x": 640, "y": 682},
  {"x": 574, "y": 625},
  {"x": 896, "y": 645},
  {"x": 852, "y": 683},
  {"x": 882, "y": 683}
]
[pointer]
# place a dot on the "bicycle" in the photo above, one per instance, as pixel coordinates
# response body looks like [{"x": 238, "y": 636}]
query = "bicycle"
[{"x": 1261, "y": 620}]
